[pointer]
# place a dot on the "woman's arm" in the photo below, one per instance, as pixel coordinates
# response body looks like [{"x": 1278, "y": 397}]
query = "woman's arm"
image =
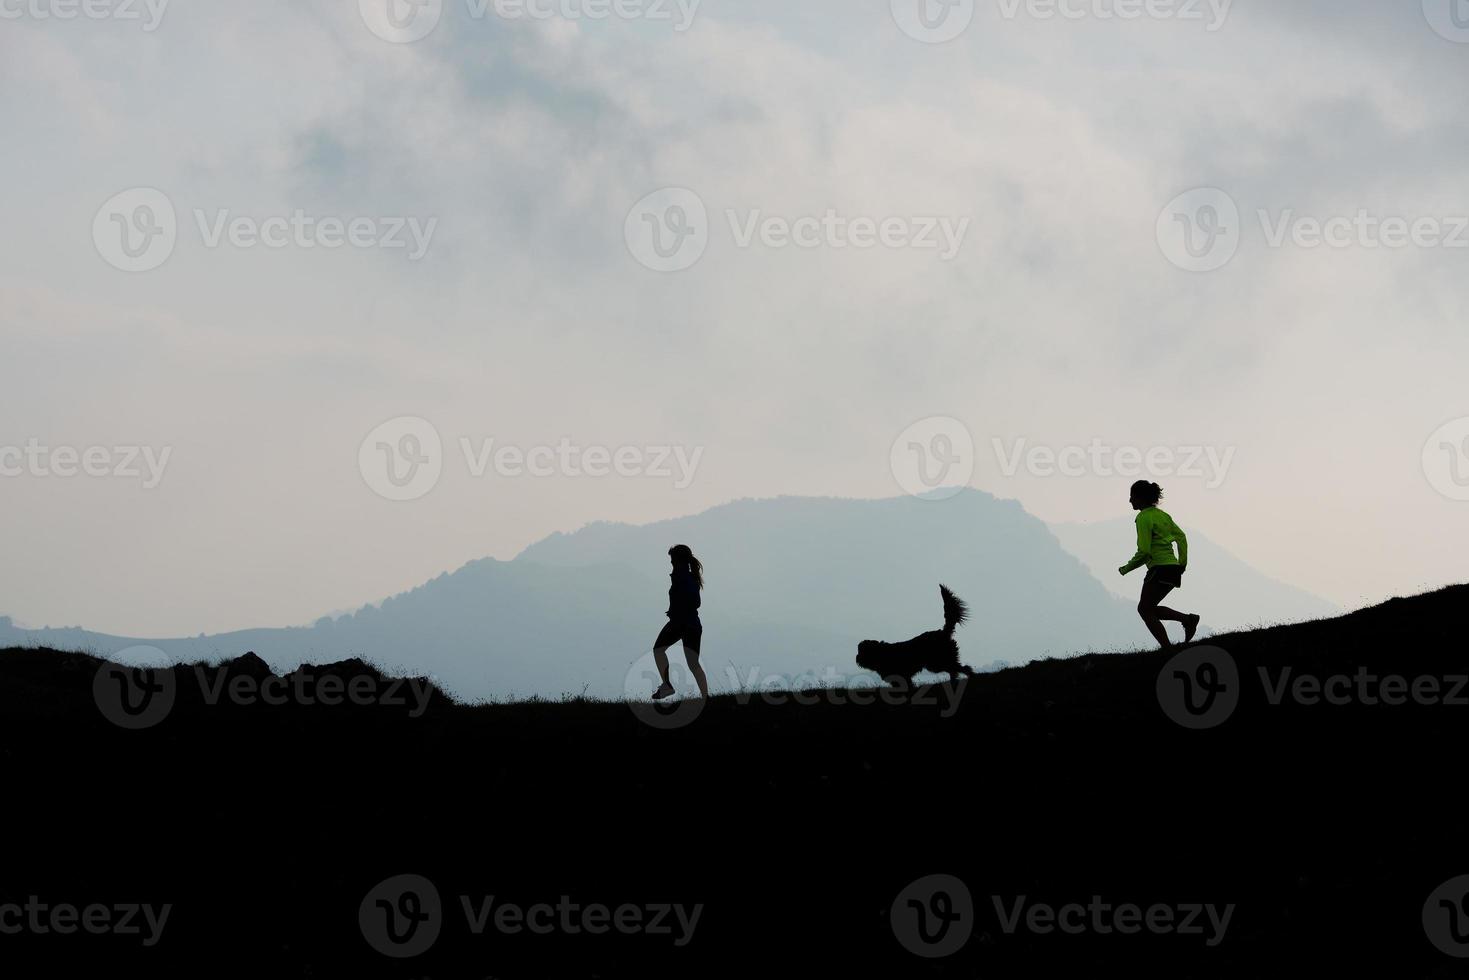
[{"x": 1144, "y": 544}]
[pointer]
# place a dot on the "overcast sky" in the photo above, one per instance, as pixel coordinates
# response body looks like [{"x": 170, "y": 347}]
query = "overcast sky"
[{"x": 1011, "y": 252}]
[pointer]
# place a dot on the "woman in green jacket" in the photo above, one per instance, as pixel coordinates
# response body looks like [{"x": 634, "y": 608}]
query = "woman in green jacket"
[{"x": 1156, "y": 534}]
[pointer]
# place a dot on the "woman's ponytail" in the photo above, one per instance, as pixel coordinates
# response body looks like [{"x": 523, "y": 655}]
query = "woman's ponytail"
[
  {"x": 1147, "y": 493},
  {"x": 684, "y": 555}
]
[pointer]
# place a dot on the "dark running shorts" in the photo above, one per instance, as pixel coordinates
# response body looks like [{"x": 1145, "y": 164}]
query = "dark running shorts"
[
  {"x": 1171, "y": 575},
  {"x": 690, "y": 631}
]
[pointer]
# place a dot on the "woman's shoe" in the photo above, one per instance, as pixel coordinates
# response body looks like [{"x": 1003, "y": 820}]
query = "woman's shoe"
[
  {"x": 663, "y": 692},
  {"x": 1190, "y": 627}
]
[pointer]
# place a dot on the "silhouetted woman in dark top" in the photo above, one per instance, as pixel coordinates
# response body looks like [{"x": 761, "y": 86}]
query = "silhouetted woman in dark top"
[{"x": 687, "y": 580}]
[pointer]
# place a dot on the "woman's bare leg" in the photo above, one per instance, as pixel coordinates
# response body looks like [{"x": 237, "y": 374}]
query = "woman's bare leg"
[
  {"x": 1151, "y": 612},
  {"x": 660, "y": 658},
  {"x": 692, "y": 656}
]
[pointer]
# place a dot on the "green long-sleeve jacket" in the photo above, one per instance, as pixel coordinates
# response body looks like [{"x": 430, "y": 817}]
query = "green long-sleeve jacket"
[{"x": 1156, "y": 534}]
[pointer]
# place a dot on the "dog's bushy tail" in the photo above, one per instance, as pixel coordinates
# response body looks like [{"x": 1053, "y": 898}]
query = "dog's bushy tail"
[{"x": 955, "y": 611}]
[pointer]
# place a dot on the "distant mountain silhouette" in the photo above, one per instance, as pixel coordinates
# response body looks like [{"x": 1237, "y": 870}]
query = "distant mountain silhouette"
[
  {"x": 1229, "y": 593},
  {"x": 489, "y": 630},
  {"x": 793, "y": 585}
]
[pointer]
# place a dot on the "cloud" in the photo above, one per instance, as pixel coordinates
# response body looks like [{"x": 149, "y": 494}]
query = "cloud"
[{"x": 1059, "y": 320}]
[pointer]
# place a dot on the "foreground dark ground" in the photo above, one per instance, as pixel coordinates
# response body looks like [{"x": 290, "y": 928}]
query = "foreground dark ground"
[{"x": 795, "y": 827}]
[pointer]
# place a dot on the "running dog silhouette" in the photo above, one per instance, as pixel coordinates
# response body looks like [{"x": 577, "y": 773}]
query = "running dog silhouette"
[{"x": 934, "y": 651}]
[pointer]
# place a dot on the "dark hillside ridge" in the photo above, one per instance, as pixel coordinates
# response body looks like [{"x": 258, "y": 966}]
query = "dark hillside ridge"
[{"x": 794, "y": 826}]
